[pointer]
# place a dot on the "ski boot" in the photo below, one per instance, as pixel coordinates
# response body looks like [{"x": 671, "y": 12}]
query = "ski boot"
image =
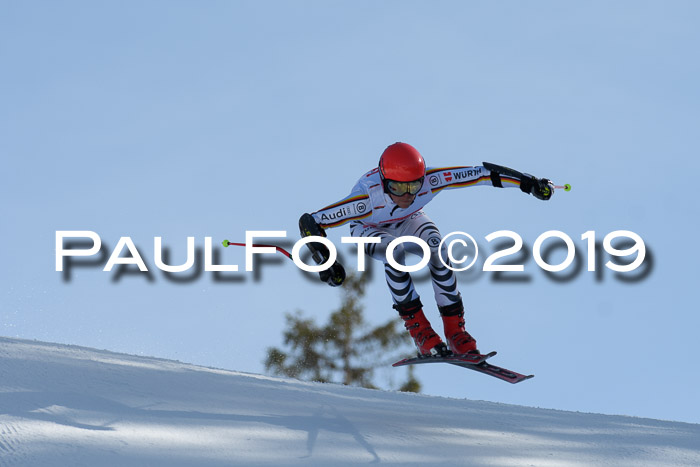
[
  {"x": 458, "y": 340},
  {"x": 426, "y": 339}
]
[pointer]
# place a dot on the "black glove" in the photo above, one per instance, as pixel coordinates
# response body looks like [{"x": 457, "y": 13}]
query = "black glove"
[
  {"x": 540, "y": 188},
  {"x": 333, "y": 276}
]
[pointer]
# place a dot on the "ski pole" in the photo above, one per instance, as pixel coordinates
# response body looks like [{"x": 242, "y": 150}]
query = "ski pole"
[
  {"x": 226, "y": 243},
  {"x": 565, "y": 187}
]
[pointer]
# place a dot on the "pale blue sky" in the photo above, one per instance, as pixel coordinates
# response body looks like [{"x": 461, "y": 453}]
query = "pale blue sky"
[{"x": 209, "y": 119}]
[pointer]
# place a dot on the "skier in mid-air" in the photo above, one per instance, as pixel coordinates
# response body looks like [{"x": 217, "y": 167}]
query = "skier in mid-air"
[{"x": 387, "y": 203}]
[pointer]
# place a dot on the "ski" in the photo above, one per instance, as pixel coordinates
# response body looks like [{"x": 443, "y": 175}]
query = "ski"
[
  {"x": 476, "y": 362},
  {"x": 496, "y": 371},
  {"x": 467, "y": 359}
]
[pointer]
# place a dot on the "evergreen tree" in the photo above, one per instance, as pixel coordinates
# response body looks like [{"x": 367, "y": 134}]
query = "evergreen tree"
[{"x": 345, "y": 349}]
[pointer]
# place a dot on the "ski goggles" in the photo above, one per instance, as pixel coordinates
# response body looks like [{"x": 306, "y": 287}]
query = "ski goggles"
[{"x": 401, "y": 188}]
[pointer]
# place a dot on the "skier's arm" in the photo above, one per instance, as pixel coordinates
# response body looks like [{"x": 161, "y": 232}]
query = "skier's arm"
[
  {"x": 449, "y": 178},
  {"x": 541, "y": 188},
  {"x": 333, "y": 276},
  {"x": 465, "y": 176},
  {"x": 353, "y": 207}
]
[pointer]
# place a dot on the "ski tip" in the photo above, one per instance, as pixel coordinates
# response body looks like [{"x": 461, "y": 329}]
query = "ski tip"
[{"x": 515, "y": 378}]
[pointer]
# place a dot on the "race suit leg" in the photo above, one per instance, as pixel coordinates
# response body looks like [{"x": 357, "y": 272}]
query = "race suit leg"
[{"x": 400, "y": 283}]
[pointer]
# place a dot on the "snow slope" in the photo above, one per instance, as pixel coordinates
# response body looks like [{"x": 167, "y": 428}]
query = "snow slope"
[{"x": 64, "y": 405}]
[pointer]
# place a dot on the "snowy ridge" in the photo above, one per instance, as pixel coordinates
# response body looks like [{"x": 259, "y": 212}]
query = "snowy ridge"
[{"x": 65, "y": 405}]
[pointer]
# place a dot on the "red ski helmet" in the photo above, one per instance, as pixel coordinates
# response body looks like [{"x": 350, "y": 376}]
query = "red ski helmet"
[{"x": 401, "y": 162}]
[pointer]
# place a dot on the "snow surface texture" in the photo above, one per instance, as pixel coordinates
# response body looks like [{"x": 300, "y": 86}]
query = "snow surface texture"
[{"x": 64, "y": 405}]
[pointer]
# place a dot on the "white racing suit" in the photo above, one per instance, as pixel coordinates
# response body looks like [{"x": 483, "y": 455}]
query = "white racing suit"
[{"x": 372, "y": 213}]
